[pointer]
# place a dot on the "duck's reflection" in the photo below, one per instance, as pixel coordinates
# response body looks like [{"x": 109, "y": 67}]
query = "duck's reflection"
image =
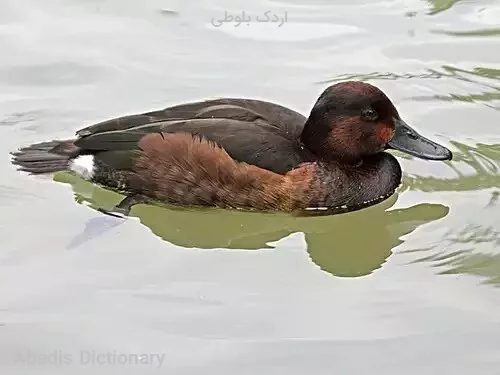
[
  {"x": 357, "y": 244},
  {"x": 348, "y": 245}
]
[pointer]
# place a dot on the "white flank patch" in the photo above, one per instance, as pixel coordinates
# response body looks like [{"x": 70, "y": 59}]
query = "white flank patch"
[{"x": 84, "y": 166}]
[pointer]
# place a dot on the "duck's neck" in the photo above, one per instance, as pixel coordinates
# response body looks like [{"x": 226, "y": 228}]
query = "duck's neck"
[{"x": 343, "y": 188}]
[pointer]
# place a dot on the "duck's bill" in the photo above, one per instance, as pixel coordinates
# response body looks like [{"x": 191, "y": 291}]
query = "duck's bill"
[{"x": 407, "y": 140}]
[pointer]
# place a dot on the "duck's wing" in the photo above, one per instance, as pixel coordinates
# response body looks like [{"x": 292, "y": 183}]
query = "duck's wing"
[
  {"x": 252, "y": 142},
  {"x": 243, "y": 110}
]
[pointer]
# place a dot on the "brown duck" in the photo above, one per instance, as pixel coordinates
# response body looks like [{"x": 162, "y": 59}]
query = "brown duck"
[{"x": 249, "y": 154}]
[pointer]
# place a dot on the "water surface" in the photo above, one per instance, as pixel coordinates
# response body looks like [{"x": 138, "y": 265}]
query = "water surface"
[{"x": 409, "y": 286}]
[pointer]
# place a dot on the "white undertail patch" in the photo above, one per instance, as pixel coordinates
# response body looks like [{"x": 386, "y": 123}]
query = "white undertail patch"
[{"x": 84, "y": 166}]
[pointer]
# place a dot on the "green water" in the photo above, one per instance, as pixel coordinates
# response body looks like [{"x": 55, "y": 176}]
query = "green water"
[{"x": 409, "y": 286}]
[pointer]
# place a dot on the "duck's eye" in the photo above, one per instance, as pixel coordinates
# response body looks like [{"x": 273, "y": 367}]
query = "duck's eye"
[{"x": 369, "y": 114}]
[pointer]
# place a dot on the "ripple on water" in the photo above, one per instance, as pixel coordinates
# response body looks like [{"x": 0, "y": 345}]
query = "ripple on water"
[
  {"x": 470, "y": 243},
  {"x": 438, "y": 6},
  {"x": 469, "y": 249}
]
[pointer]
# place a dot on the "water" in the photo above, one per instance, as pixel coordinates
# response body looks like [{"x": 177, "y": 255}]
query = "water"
[{"x": 406, "y": 287}]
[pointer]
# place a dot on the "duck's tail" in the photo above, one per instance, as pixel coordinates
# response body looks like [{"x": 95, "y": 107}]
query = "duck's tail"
[{"x": 45, "y": 157}]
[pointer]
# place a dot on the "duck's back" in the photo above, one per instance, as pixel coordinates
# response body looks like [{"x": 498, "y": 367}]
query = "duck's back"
[
  {"x": 286, "y": 119},
  {"x": 256, "y": 132}
]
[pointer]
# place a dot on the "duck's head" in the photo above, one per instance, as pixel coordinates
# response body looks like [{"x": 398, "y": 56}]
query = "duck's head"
[{"x": 352, "y": 120}]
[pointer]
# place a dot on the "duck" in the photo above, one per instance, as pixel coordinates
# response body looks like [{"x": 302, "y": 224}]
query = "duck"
[{"x": 237, "y": 153}]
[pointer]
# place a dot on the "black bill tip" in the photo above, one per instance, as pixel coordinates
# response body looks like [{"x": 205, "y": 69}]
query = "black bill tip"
[{"x": 407, "y": 140}]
